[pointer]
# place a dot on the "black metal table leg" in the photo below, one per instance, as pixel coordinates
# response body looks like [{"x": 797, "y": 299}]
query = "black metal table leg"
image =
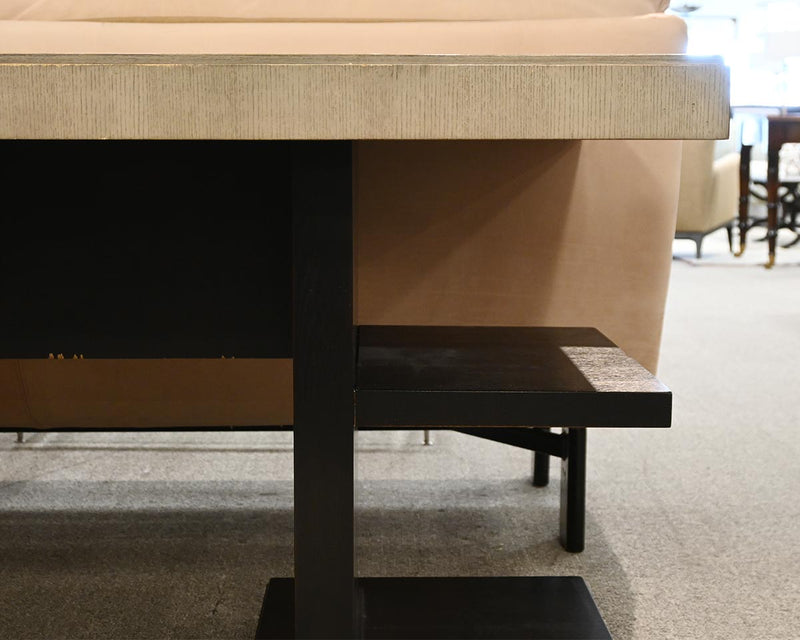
[
  {"x": 322, "y": 204},
  {"x": 541, "y": 467},
  {"x": 573, "y": 492}
]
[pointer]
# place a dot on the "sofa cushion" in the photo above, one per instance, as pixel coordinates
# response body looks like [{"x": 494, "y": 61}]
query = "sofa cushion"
[
  {"x": 518, "y": 233},
  {"x": 320, "y": 10},
  {"x": 652, "y": 34}
]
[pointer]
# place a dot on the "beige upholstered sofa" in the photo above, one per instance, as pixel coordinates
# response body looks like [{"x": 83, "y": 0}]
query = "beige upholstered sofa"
[
  {"x": 709, "y": 193},
  {"x": 471, "y": 233}
]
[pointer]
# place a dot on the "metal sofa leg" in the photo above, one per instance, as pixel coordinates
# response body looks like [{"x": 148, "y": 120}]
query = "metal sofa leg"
[
  {"x": 20, "y": 437},
  {"x": 426, "y": 437},
  {"x": 573, "y": 492}
]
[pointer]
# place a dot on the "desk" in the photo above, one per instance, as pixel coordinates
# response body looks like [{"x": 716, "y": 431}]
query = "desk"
[{"x": 324, "y": 103}]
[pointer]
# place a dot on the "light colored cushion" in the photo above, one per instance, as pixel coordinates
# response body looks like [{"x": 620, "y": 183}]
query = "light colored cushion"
[
  {"x": 655, "y": 33},
  {"x": 319, "y": 10},
  {"x": 709, "y": 192}
]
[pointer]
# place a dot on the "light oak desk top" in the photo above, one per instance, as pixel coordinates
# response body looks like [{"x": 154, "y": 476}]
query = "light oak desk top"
[{"x": 263, "y": 97}]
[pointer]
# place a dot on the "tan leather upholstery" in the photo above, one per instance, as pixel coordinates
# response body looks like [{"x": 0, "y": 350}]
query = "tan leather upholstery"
[
  {"x": 145, "y": 393},
  {"x": 518, "y": 233},
  {"x": 506, "y": 233},
  {"x": 653, "y": 34},
  {"x": 320, "y": 10}
]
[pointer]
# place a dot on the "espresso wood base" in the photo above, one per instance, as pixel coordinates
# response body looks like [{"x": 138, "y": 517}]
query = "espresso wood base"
[{"x": 520, "y": 607}]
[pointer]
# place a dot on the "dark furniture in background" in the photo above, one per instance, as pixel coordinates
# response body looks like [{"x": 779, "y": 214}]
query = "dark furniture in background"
[{"x": 781, "y": 130}]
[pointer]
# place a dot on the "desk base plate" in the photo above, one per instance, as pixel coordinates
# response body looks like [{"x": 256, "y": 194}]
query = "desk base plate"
[{"x": 519, "y": 607}]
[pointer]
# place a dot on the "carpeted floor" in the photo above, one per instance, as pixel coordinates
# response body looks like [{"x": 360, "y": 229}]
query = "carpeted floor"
[{"x": 692, "y": 532}]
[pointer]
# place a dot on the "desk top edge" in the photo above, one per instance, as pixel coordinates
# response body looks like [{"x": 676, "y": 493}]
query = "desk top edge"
[{"x": 275, "y": 97}]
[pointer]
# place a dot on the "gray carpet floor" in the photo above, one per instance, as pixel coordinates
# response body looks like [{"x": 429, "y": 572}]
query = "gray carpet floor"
[{"x": 692, "y": 532}]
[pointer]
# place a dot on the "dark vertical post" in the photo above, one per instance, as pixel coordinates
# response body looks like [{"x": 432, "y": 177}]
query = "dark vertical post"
[
  {"x": 322, "y": 209},
  {"x": 744, "y": 195},
  {"x": 541, "y": 468},
  {"x": 573, "y": 492},
  {"x": 773, "y": 182}
]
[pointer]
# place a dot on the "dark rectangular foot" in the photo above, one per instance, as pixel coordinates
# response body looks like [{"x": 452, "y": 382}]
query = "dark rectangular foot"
[{"x": 519, "y": 607}]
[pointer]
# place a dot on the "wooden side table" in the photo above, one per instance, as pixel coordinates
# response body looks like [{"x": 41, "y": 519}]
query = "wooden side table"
[
  {"x": 782, "y": 129},
  {"x": 322, "y": 104},
  {"x": 788, "y": 199}
]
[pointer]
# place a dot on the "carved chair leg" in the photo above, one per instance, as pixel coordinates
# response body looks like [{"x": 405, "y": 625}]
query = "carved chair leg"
[{"x": 573, "y": 492}]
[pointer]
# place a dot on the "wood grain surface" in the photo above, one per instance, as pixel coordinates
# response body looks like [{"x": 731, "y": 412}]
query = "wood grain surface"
[
  {"x": 362, "y": 97},
  {"x": 502, "y": 376}
]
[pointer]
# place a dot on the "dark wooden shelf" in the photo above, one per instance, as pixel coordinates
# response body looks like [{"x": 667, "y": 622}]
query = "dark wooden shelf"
[
  {"x": 499, "y": 607},
  {"x": 502, "y": 376}
]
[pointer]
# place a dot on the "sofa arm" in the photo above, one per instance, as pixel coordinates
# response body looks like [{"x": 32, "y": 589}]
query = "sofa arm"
[
  {"x": 709, "y": 188},
  {"x": 725, "y": 190}
]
